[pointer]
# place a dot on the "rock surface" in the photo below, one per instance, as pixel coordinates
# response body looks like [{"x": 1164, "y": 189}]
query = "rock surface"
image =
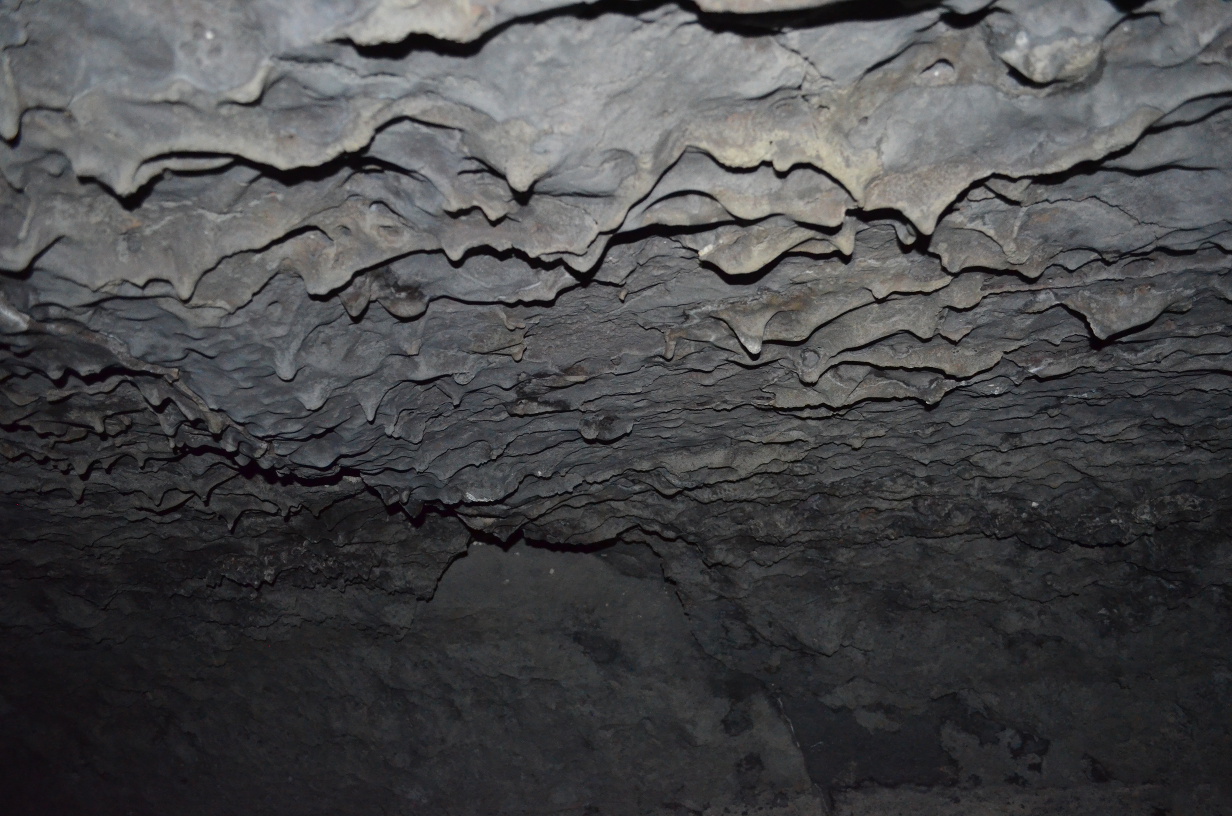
[{"x": 859, "y": 374}]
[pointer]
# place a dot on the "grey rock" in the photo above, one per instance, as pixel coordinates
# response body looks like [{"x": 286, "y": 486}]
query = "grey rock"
[{"x": 882, "y": 352}]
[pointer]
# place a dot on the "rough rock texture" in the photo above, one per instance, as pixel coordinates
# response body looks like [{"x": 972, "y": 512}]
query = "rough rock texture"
[{"x": 847, "y": 386}]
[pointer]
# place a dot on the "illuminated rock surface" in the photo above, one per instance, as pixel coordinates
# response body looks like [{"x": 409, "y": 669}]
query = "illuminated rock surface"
[{"x": 853, "y": 382}]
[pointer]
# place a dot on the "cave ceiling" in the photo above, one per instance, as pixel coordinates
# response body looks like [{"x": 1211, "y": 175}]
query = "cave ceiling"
[
  {"x": 578, "y": 272},
  {"x": 748, "y": 281}
]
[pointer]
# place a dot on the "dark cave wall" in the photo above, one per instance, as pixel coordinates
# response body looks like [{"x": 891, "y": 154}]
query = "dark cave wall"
[
  {"x": 229, "y": 672},
  {"x": 535, "y": 681}
]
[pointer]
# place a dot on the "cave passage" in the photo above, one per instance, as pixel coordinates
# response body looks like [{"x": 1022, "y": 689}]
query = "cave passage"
[{"x": 716, "y": 408}]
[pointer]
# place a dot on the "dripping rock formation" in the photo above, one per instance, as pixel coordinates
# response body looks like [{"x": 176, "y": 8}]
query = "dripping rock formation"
[{"x": 468, "y": 407}]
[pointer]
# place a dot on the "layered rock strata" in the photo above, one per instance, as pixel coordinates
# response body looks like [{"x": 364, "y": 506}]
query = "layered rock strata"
[{"x": 851, "y": 382}]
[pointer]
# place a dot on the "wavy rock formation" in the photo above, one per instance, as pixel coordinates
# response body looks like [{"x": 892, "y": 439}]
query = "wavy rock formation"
[{"x": 847, "y": 385}]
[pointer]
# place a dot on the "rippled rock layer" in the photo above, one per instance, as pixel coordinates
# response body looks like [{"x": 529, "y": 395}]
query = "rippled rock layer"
[{"x": 757, "y": 406}]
